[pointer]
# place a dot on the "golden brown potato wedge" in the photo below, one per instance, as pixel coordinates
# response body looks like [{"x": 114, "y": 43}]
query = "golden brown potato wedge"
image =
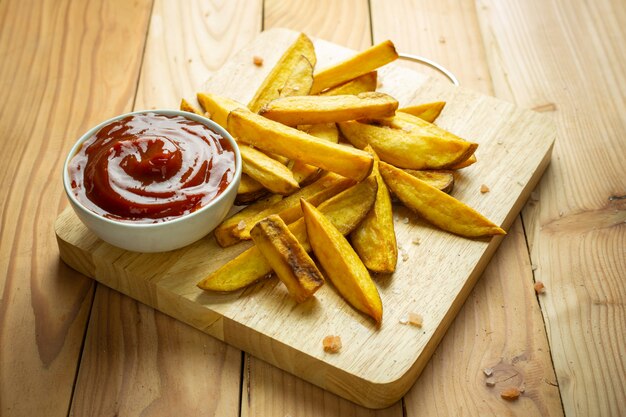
[
  {"x": 408, "y": 146},
  {"x": 341, "y": 263},
  {"x": 359, "y": 64},
  {"x": 249, "y": 190},
  {"x": 298, "y": 110},
  {"x": 187, "y": 106},
  {"x": 427, "y": 111},
  {"x": 237, "y": 227},
  {"x": 218, "y": 107},
  {"x": 464, "y": 164},
  {"x": 437, "y": 207},
  {"x": 300, "y": 80},
  {"x": 305, "y": 173},
  {"x": 275, "y": 80},
  {"x": 293, "y": 266},
  {"x": 345, "y": 210},
  {"x": 275, "y": 137},
  {"x": 374, "y": 240},
  {"x": 364, "y": 83},
  {"x": 270, "y": 173},
  {"x": 440, "y": 179}
]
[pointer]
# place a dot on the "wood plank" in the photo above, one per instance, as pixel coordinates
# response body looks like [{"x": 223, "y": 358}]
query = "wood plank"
[
  {"x": 376, "y": 367},
  {"x": 267, "y": 390},
  {"x": 172, "y": 367},
  {"x": 496, "y": 327},
  {"x": 57, "y": 80},
  {"x": 566, "y": 60}
]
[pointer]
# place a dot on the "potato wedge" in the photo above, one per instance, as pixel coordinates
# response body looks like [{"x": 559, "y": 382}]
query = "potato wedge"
[
  {"x": 293, "y": 266},
  {"x": 374, "y": 240},
  {"x": 408, "y": 146},
  {"x": 249, "y": 190},
  {"x": 437, "y": 207},
  {"x": 469, "y": 161},
  {"x": 305, "y": 173},
  {"x": 362, "y": 84},
  {"x": 187, "y": 106},
  {"x": 427, "y": 111},
  {"x": 359, "y": 64},
  {"x": 275, "y": 80},
  {"x": 237, "y": 227},
  {"x": 270, "y": 173},
  {"x": 440, "y": 179},
  {"x": 345, "y": 210},
  {"x": 283, "y": 140},
  {"x": 218, "y": 107},
  {"x": 300, "y": 80},
  {"x": 298, "y": 110},
  {"x": 341, "y": 263}
]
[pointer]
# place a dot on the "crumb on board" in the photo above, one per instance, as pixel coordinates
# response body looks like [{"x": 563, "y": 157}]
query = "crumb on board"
[
  {"x": 510, "y": 394},
  {"x": 405, "y": 256},
  {"x": 490, "y": 382},
  {"x": 488, "y": 371},
  {"x": 416, "y": 319},
  {"x": 539, "y": 287},
  {"x": 332, "y": 344},
  {"x": 257, "y": 60},
  {"x": 379, "y": 83},
  {"x": 405, "y": 220},
  {"x": 416, "y": 241},
  {"x": 484, "y": 188},
  {"x": 404, "y": 320}
]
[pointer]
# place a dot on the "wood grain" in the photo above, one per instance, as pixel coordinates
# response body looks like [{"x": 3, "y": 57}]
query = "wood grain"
[
  {"x": 496, "y": 326},
  {"x": 268, "y": 390},
  {"x": 167, "y": 281},
  {"x": 137, "y": 361},
  {"x": 57, "y": 81},
  {"x": 567, "y": 60}
]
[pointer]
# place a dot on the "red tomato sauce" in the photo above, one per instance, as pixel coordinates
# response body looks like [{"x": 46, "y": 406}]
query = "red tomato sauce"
[{"x": 149, "y": 168}]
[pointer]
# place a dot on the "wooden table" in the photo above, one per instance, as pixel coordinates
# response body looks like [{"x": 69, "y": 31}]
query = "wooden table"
[{"x": 69, "y": 346}]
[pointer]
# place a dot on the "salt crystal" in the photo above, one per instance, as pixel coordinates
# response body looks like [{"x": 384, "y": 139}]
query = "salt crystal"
[
  {"x": 405, "y": 257},
  {"x": 404, "y": 320},
  {"x": 241, "y": 225},
  {"x": 405, "y": 220},
  {"x": 490, "y": 382},
  {"x": 416, "y": 241},
  {"x": 488, "y": 371}
]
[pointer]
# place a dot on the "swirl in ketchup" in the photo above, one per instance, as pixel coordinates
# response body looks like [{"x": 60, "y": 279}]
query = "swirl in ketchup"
[{"x": 150, "y": 168}]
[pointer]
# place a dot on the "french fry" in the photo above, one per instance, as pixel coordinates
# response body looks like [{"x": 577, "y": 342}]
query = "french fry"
[
  {"x": 218, "y": 107},
  {"x": 374, "y": 240},
  {"x": 293, "y": 266},
  {"x": 237, "y": 227},
  {"x": 305, "y": 173},
  {"x": 275, "y": 81},
  {"x": 407, "y": 145},
  {"x": 427, "y": 111},
  {"x": 440, "y": 179},
  {"x": 300, "y": 80},
  {"x": 275, "y": 137},
  {"x": 186, "y": 106},
  {"x": 364, "y": 83},
  {"x": 249, "y": 190},
  {"x": 270, "y": 173},
  {"x": 341, "y": 263},
  {"x": 298, "y": 110},
  {"x": 359, "y": 64},
  {"x": 437, "y": 207},
  {"x": 435, "y": 130},
  {"x": 345, "y": 210}
]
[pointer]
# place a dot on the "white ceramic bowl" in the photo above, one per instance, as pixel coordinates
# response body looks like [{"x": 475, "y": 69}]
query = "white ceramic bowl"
[{"x": 166, "y": 235}]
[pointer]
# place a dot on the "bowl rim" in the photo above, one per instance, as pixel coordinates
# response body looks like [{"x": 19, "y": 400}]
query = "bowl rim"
[{"x": 166, "y": 112}]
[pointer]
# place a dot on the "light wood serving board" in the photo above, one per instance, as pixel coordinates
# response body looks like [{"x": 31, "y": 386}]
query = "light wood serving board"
[{"x": 375, "y": 366}]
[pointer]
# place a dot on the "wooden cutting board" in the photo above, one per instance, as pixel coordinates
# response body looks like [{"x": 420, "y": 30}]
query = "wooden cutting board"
[{"x": 435, "y": 272}]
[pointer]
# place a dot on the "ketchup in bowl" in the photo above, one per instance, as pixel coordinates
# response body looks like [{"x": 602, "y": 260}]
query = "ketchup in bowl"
[{"x": 150, "y": 168}]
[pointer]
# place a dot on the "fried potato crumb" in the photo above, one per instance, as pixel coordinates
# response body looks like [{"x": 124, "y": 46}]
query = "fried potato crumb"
[
  {"x": 484, "y": 189},
  {"x": 257, "y": 60},
  {"x": 539, "y": 287},
  {"x": 332, "y": 344},
  {"x": 416, "y": 319},
  {"x": 416, "y": 241},
  {"x": 510, "y": 394}
]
